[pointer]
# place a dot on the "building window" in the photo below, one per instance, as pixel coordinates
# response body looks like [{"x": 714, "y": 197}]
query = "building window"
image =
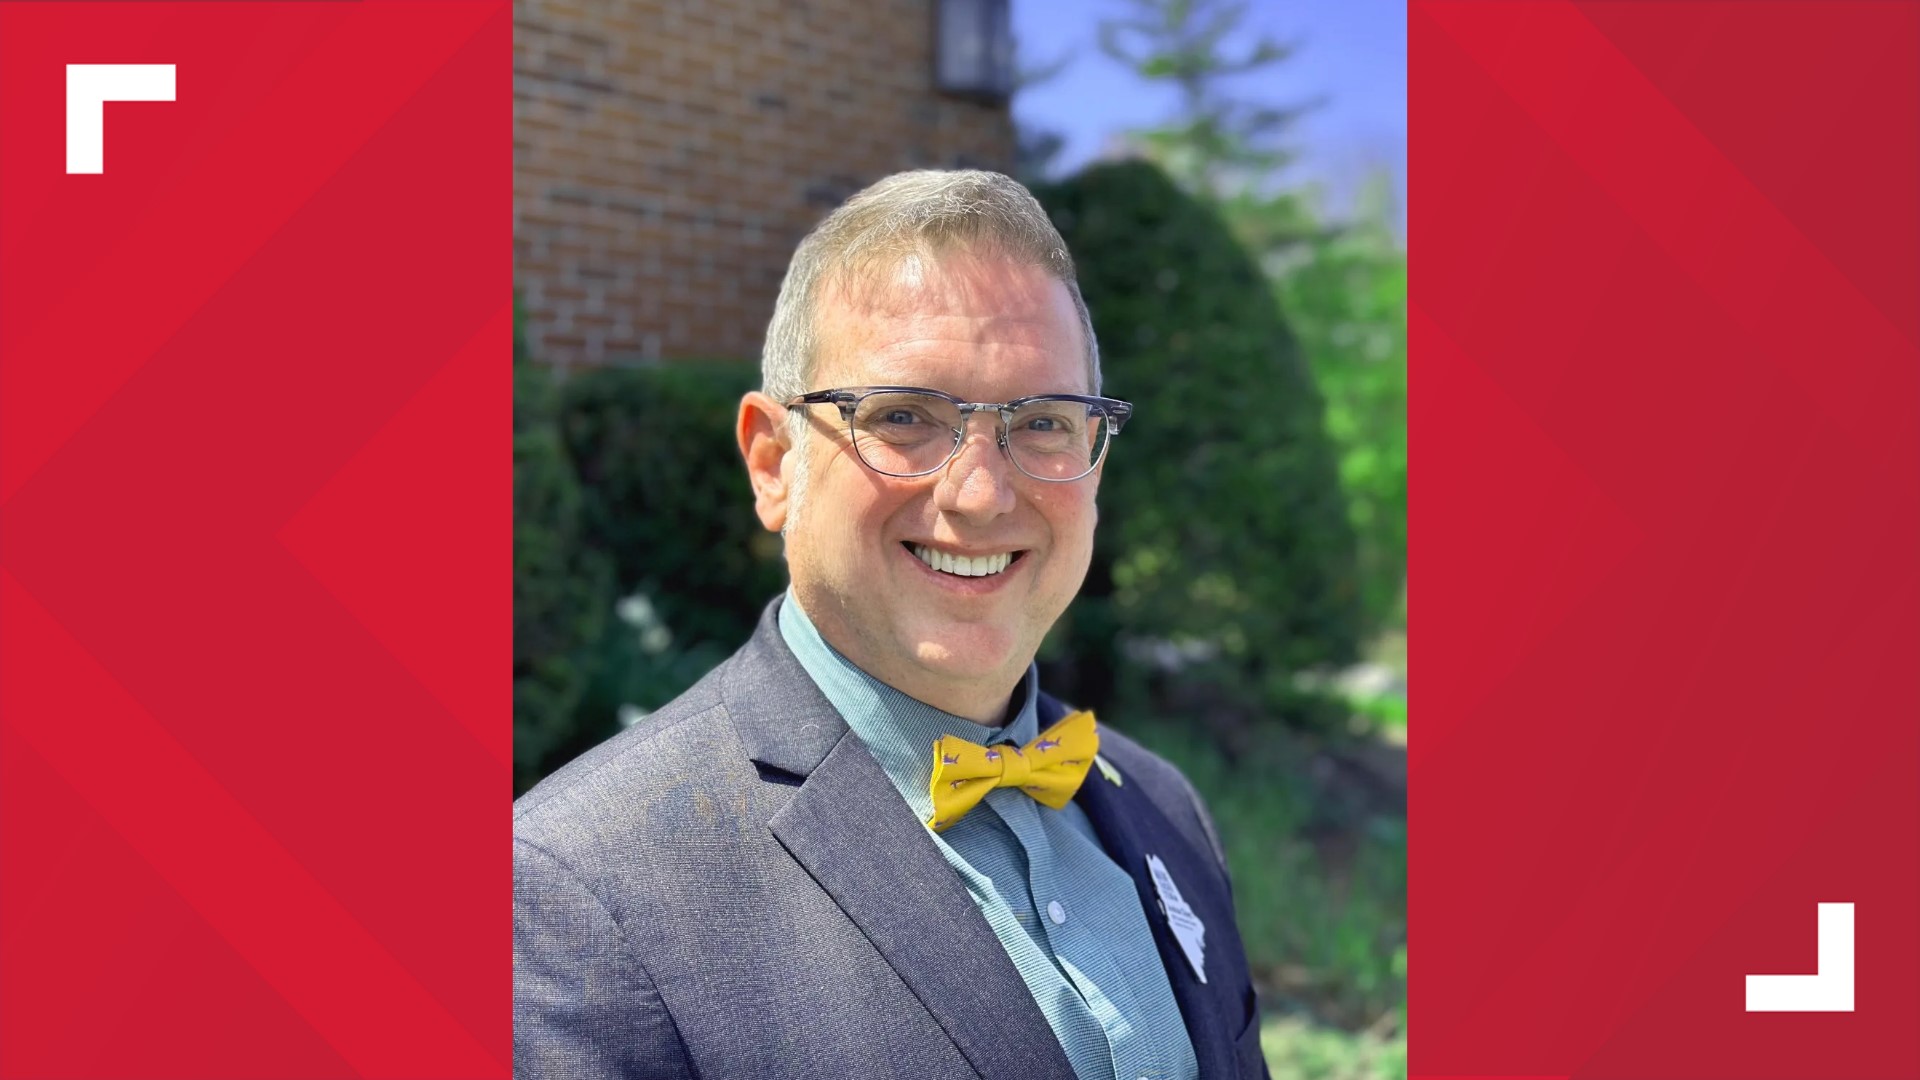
[{"x": 974, "y": 49}]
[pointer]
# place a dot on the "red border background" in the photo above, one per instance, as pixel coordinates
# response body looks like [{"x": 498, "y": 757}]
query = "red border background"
[
  {"x": 254, "y": 539},
  {"x": 255, "y": 545},
  {"x": 1666, "y": 533}
]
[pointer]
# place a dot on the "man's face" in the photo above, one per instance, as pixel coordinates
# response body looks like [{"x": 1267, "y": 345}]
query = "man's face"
[{"x": 982, "y": 329}]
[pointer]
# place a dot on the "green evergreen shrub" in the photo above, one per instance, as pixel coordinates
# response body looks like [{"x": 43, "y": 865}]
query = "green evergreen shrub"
[
  {"x": 668, "y": 504},
  {"x": 1224, "y": 535},
  {"x": 560, "y": 585}
]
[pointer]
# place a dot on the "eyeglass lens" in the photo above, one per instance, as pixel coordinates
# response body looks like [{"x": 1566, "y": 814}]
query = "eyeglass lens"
[{"x": 906, "y": 434}]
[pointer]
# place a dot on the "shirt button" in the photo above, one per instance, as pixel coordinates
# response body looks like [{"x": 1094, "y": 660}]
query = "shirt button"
[{"x": 1056, "y": 912}]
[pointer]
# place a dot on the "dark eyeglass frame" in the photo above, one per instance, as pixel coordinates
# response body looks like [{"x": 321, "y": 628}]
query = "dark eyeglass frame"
[{"x": 848, "y": 398}]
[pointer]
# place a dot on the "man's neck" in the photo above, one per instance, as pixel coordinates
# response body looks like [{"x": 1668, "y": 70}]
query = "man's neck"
[
  {"x": 969, "y": 699},
  {"x": 965, "y": 701},
  {"x": 996, "y": 714}
]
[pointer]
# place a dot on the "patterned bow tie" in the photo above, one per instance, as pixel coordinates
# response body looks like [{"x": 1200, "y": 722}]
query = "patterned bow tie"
[{"x": 1049, "y": 768}]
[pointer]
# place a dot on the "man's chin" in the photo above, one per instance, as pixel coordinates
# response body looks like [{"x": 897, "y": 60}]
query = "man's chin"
[{"x": 966, "y": 652}]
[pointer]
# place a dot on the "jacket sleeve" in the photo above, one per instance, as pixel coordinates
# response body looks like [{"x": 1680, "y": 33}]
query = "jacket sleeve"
[{"x": 584, "y": 1007}]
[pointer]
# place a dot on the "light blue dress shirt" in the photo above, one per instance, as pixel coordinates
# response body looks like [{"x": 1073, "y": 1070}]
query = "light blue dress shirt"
[{"x": 1067, "y": 915}]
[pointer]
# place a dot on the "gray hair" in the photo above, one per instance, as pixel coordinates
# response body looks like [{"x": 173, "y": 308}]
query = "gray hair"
[{"x": 927, "y": 212}]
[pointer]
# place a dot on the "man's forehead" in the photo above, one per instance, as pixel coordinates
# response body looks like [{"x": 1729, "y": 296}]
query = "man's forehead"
[{"x": 1017, "y": 328}]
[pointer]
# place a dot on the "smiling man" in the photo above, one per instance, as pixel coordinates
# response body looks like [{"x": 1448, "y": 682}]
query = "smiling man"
[{"x": 869, "y": 844}]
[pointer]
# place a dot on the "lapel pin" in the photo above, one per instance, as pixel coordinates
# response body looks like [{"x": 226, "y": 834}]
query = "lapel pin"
[{"x": 1107, "y": 770}]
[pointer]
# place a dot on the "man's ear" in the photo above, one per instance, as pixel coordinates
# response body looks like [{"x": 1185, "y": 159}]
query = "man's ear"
[{"x": 762, "y": 433}]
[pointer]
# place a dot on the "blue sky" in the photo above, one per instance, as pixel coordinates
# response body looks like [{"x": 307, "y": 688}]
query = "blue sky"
[{"x": 1352, "y": 53}]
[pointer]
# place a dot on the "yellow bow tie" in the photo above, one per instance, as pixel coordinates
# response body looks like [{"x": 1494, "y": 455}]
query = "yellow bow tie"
[{"x": 1049, "y": 768}]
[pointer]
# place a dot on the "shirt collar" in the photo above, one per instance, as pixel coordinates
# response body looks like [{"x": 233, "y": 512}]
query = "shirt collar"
[{"x": 898, "y": 730}]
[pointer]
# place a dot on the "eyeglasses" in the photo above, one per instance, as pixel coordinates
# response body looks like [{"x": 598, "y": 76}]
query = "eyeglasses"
[{"x": 909, "y": 431}]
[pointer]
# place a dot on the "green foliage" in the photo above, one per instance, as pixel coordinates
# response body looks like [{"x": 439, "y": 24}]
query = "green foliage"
[
  {"x": 1220, "y": 142},
  {"x": 668, "y": 505},
  {"x": 1347, "y": 300},
  {"x": 1385, "y": 711},
  {"x": 559, "y": 584},
  {"x": 638, "y": 562},
  {"x": 1319, "y": 864},
  {"x": 1224, "y": 538},
  {"x": 1343, "y": 288},
  {"x": 1301, "y": 1050}
]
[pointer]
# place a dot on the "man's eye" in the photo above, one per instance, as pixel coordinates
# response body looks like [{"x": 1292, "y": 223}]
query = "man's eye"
[
  {"x": 1051, "y": 425},
  {"x": 899, "y": 417}
]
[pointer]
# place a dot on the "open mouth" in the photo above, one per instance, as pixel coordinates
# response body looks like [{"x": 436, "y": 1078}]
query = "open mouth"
[{"x": 962, "y": 565}]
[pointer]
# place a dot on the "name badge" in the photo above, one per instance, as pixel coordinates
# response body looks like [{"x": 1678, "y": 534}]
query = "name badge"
[{"x": 1187, "y": 928}]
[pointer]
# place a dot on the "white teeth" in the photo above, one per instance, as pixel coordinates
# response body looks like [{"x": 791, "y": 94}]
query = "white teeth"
[{"x": 962, "y": 565}]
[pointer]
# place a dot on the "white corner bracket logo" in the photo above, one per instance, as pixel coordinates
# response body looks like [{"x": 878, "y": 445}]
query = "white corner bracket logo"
[
  {"x": 89, "y": 88},
  {"x": 1829, "y": 988}
]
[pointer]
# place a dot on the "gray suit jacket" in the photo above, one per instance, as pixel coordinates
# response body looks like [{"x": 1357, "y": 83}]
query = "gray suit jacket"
[{"x": 733, "y": 888}]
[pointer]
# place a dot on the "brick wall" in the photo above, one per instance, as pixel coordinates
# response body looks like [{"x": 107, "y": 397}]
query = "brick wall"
[{"x": 668, "y": 157}]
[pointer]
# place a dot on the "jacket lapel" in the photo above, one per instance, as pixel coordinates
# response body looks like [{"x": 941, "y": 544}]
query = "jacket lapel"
[
  {"x": 851, "y": 831},
  {"x": 1131, "y": 827}
]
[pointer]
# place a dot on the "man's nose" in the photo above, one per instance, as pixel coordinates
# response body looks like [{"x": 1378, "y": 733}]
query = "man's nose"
[{"x": 978, "y": 483}]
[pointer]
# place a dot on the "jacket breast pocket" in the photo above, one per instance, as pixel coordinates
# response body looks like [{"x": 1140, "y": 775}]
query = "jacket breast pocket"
[{"x": 1250, "y": 1063}]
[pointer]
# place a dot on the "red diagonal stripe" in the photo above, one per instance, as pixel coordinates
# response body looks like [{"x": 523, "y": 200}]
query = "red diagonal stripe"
[
  {"x": 398, "y": 534},
  {"x": 1807, "y": 98},
  {"x": 119, "y": 311},
  {"x": 1709, "y": 219},
  {"x": 149, "y": 534},
  {"x": 1711, "y": 735},
  {"x": 1569, "y": 543},
  {"x": 122, "y": 979},
  {"x": 260, "y": 899}
]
